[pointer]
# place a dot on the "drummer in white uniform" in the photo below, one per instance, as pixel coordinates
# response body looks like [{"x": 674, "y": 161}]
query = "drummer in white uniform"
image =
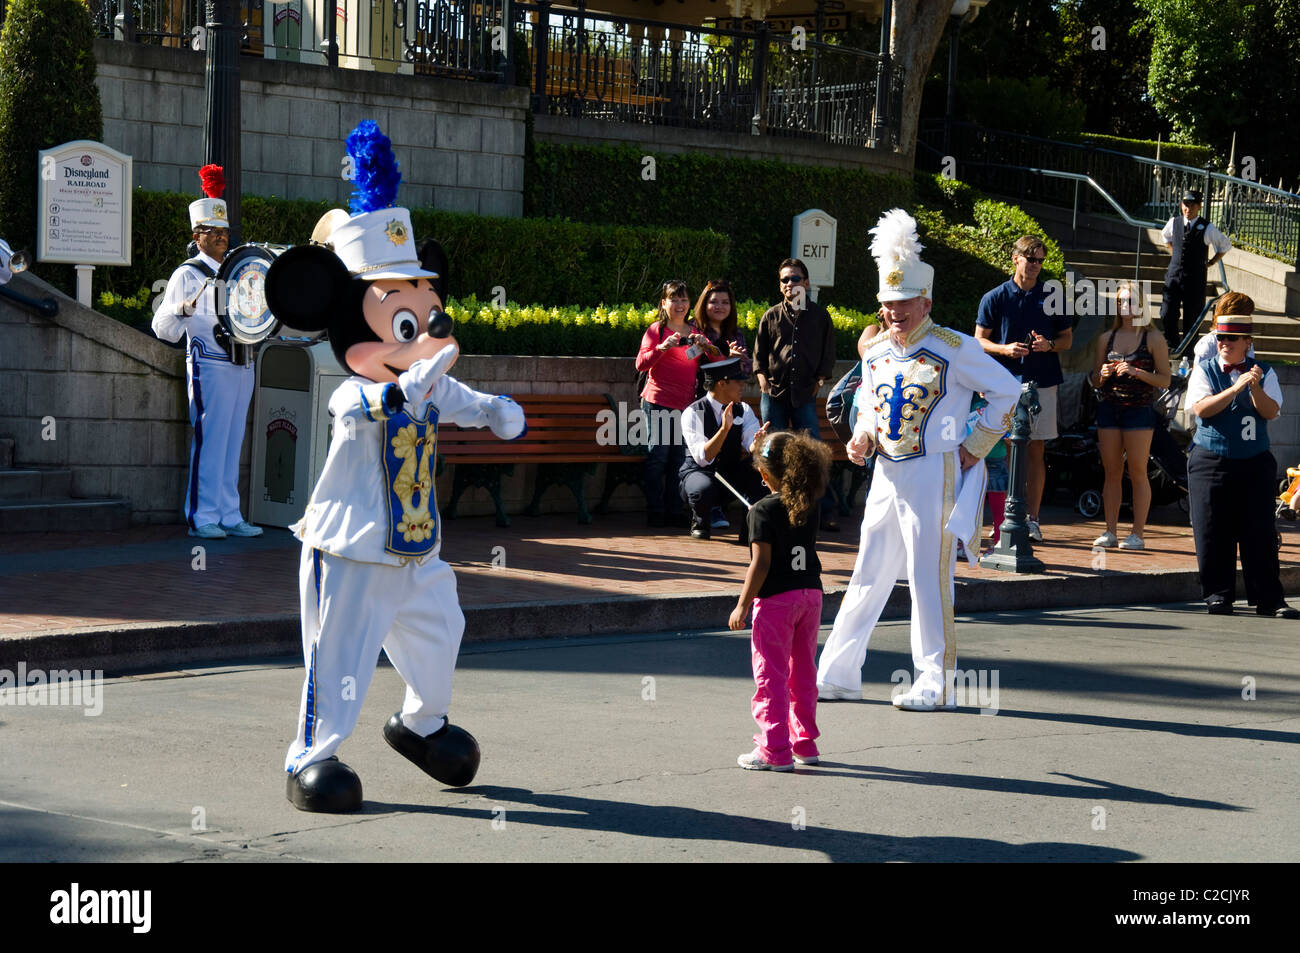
[
  {"x": 928, "y": 488},
  {"x": 219, "y": 389}
]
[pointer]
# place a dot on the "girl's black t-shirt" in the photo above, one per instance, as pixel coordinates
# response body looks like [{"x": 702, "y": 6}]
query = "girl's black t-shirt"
[{"x": 794, "y": 548}]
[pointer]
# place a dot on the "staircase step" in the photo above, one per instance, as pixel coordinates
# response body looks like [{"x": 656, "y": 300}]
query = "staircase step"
[
  {"x": 64, "y": 515},
  {"x": 34, "y": 484}
]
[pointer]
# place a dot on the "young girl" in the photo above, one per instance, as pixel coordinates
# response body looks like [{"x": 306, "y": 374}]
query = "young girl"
[{"x": 785, "y": 587}]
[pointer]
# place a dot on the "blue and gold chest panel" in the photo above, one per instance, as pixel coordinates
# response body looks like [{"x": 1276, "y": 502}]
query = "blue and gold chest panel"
[
  {"x": 907, "y": 390},
  {"x": 408, "y": 455}
]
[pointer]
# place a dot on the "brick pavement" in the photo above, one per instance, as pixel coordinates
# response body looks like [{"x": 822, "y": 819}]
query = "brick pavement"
[{"x": 57, "y": 582}]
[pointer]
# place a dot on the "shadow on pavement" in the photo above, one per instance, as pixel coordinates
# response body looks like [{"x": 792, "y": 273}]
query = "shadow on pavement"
[{"x": 683, "y": 823}]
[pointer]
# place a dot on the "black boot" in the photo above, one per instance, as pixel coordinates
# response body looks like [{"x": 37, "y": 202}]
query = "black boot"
[
  {"x": 449, "y": 755},
  {"x": 700, "y": 527},
  {"x": 326, "y": 787}
]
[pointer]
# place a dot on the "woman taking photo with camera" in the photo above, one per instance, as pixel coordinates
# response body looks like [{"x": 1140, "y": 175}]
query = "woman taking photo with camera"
[
  {"x": 672, "y": 350},
  {"x": 1131, "y": 365}
]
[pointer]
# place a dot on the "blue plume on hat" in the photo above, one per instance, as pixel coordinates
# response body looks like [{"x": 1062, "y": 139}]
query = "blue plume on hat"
[{"x": 375, "y": 170}]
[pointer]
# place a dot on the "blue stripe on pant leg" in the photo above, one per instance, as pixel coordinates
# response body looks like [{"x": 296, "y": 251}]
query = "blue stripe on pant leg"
[{"x": 197, "y": 400}]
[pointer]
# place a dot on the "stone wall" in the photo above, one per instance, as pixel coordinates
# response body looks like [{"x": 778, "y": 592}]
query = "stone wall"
[
  {"x": 85, "y": 392},
  {"x": 460, "y": 144}
]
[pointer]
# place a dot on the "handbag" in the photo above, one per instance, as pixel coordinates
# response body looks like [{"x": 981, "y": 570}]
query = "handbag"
[{"x": 839, "y": 403}]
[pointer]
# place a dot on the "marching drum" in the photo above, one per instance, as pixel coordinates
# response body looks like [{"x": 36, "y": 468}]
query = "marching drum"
[{"x": 241, "y": 301}]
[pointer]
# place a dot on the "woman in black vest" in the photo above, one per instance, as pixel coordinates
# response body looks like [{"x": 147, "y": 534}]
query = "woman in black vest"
[{"x": 1231, "y": 474}]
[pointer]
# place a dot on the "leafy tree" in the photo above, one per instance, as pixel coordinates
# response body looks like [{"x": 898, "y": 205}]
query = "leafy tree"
[
  {"x": 47, "y": 96},
  {"x": 1224, "y": 66}
]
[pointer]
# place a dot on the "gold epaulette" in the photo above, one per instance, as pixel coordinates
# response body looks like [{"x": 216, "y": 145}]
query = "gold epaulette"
[{"x": 946, "y": 335}]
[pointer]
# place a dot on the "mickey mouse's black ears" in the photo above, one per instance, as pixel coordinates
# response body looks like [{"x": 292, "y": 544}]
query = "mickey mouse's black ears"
[
  {"x": 433, "y": 258},
  {"x": 305, "y": 285}
]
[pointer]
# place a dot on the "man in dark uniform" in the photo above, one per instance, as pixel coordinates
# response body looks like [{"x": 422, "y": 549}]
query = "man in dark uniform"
[
  {"x": 1187, "y": 236},
  {"x": 720, "y": 430}
]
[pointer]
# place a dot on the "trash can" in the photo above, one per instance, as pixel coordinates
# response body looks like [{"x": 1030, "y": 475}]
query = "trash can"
[{"x": 291, "y": 428}]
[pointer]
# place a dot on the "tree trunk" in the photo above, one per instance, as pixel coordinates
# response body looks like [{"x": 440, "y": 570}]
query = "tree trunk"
[{"x": 916, "y": 31}]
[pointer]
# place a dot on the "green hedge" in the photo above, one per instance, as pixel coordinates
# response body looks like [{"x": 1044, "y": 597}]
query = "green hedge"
[
  {"x": 1178, "y": 153},
  {"x": 532, "y": 259},
  {"x": 753, "y": 202}
]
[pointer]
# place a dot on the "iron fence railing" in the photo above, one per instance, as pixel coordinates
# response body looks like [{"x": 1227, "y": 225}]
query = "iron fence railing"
[
  {"x": 594, "y": 65},
  {"x": 576, "y": 62},
  {"x": 1255, "y": 216}
]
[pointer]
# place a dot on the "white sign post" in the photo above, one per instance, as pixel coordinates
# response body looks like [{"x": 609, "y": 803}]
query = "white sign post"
[
  {"x": 813, "y": 243},
  {"x": 84, "y": 208}
]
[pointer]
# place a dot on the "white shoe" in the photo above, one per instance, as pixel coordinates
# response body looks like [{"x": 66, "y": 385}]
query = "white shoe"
[
  {"x": 921, "y": 699},
  {"x": 812, "y": 759},
  {"x": 754, "y": 762},
  {"x": 827, "y": 692},
  {"x": 1133, "y": 542},
  {"x": 242, "y": 528},
  {"x": 1035, "y": 533},
  {"x": 1106, "y": 540},
  {"x": 209, "y": 531}
]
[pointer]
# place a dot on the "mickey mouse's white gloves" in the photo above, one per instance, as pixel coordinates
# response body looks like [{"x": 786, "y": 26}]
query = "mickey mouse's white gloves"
[
  {"x": 418, "y": 379},
  {"x": 506, "y": 418}
]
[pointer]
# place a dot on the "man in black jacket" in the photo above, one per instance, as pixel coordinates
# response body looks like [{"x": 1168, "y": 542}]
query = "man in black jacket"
[{"x": 793, "y": 358}]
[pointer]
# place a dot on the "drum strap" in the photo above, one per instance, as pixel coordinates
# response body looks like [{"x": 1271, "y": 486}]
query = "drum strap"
[{"x": 202, "y": 266}]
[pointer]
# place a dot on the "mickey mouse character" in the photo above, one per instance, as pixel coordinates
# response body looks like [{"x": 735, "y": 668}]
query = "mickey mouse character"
[{"x": 371, "y": 574}]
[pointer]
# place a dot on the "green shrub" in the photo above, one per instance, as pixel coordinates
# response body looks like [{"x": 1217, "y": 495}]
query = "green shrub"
[
  {"x": 47, "y": 97},
  {"x": 752, "y": 202},
  {"x": 1178, "y": 153}
]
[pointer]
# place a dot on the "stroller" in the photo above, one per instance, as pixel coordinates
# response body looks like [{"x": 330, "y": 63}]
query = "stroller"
[{"x": 1074, "y": 461}]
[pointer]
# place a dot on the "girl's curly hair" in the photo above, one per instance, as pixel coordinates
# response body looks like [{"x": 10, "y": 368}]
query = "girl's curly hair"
[{"x": 801, "y": 464}]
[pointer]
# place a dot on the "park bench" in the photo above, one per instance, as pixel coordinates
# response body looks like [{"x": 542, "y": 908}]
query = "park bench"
[
  {"x": 607, "y": 80},
  {"x": 563, "y": 439}
]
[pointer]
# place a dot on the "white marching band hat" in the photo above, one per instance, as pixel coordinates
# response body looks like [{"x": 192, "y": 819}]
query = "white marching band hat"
[
  {"x": 897, "y": 250},
  {"x": 210, "y": 211},
  {"x": 377, "y": 245}
]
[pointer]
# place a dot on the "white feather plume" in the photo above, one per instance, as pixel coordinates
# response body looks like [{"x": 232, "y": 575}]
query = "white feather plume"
[{"x": 896, "y": 240}]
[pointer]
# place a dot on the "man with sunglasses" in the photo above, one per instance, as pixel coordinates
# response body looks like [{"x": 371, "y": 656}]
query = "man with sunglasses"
[
  {"x": 1013, "y": 326},
  {"x": 1231, "y": 475},
  {"x": 1187, "y": 237},
  {"x": 794, "y": 355},
  {"x": 219, "y": 389}
]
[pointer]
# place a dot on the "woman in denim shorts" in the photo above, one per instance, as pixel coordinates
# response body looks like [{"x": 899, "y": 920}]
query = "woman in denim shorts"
[{"x": 1131, "y": 364}]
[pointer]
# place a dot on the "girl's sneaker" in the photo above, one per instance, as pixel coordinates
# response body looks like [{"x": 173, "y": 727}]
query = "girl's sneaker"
[
  {"x": 811, "y": 759},
  {"x": 754, "y": 762},
  {"x": 1106, "y": 540},
  {"x": 1133, "y": 542}
]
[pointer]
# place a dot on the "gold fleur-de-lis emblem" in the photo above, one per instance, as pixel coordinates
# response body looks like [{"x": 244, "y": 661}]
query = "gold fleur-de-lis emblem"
[
  {"x": 894, "y": 278},
  {"x": 396, "y": 232}
]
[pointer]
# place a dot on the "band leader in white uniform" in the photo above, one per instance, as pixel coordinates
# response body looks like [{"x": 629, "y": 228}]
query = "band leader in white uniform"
[
  {"x": 219, "y": 390},
  {"x": 913, "y": 405}
]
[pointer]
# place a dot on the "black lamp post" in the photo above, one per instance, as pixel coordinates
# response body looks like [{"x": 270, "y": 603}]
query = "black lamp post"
[
  {"x": 221, "y": 130},
  {"x": 1014, "y": 551}
]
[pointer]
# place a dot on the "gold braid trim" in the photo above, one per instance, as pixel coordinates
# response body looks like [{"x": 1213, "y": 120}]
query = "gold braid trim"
[{"x": 981, "y": 441}]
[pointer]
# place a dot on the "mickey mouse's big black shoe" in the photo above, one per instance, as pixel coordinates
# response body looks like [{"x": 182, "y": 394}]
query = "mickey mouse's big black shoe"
[
  {"x": 326, "y": 787},
  {"x": 449, "y": 755}
]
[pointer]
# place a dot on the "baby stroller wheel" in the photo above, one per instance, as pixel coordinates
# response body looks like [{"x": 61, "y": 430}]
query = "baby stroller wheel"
[{"x": 1089, "y": 504}]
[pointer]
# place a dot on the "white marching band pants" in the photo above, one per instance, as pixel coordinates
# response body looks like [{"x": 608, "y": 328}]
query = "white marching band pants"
[
  {"x": 350, "y": 610},
  {"x": 220, "y": 393},
  {"x": 903, "y": 536}
]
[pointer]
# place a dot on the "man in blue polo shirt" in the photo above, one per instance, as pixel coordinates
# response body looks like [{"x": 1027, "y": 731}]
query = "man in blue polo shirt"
[{"x": 1014, "y": 327}]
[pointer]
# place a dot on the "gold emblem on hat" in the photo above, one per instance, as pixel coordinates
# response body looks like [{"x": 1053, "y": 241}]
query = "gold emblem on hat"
[
  {"x": 219, "y": 210},
  {"x": 894, "y": 278},
  {"x": 396, "y": 232}
]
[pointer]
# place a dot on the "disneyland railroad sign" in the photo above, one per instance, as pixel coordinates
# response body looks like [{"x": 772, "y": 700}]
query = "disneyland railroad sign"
[{"x": 84, "y": 203}]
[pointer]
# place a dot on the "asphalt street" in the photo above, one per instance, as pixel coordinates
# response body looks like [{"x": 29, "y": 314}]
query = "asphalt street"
[{"x": 1151, "y": 733}]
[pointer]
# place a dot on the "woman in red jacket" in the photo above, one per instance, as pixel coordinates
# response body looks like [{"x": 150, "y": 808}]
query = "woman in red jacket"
[{"x": 672, "y": 350}]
